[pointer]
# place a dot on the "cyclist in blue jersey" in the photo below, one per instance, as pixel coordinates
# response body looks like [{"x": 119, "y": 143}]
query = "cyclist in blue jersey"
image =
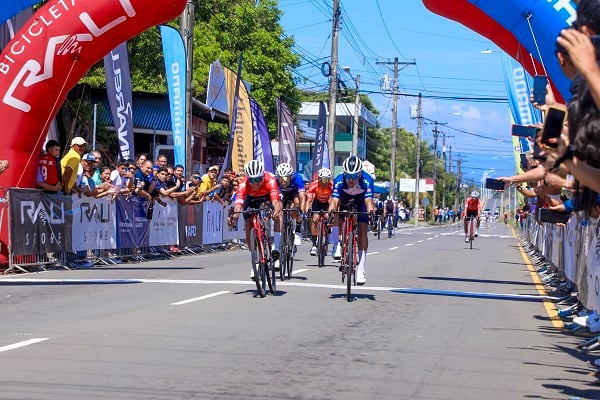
[
  {"x": 291, "y": 190},
  {"x": 354, "y": 183}
]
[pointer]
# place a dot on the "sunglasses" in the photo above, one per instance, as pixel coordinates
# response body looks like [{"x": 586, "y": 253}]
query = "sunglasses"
[
  {"x": 351, "y": 176},
  {"x": 324, "y": 180},
  {"x": 196, "y": 176},
  {"x": 255, "y": 180}
]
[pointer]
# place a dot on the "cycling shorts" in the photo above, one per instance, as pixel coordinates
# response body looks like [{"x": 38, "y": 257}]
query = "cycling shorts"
[{"x": 319, "y": 206}]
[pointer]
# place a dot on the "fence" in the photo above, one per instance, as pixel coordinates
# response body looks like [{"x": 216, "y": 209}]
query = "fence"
[{"x": 49, "y": 229}]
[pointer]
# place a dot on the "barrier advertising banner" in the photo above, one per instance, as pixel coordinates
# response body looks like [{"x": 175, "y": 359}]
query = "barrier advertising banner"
[
  {"x": 94, "y": 224},
  {"x": 190, "y": 218},
  {"x": 212, "y": 222},
  {"x": 40, "y": 222},
  {"x": 133, "y": 228},
  {"x": 163, "y": 227}
]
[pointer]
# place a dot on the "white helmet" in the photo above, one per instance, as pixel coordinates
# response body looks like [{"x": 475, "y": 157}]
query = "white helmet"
[
  {"x": 254, "y": 169},
  {"x": 474, "y": 193},
  {"x": 352, "y": 165},
  {"x": 284, "y": 169},
  {"x": 325, "y": 173}
]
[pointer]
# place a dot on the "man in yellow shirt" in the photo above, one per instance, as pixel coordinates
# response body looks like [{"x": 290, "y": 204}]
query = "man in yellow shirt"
[
  {"x": 208, "y": 181},
  {"x": 70, "y": 163}
]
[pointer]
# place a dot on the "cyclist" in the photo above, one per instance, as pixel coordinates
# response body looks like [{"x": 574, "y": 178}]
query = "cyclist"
[
  {"x": 379, "y": 205},
  {"x": 291, "y": 187},
  {"x": 255, "y": 188},
  {"x": 472, "y": 209},
  {"x": 318, "y": 196},
  {"x": 354, "y": 183},
  {"x": 390, "y": 208}
]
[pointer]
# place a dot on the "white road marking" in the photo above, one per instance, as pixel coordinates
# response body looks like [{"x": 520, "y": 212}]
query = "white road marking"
[
  {"x": 430, "y": 239},
  {"x": 408, "y": 244},
  {"x": 373, "y": 252},
  {"x": 208, "y": 296},
  {"x": 393, "y": 248},
  {"x": 22, "y": 344},
  {"x": 420, "y": 241},
  {"x": 299, "y": 270}
]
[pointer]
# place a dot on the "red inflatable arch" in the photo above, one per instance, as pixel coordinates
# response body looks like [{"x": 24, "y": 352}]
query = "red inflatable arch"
[{"x": 47, "y": 57}]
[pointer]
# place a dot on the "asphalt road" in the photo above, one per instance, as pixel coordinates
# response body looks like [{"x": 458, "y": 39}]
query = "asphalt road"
[{"x": 435, "y": 320}]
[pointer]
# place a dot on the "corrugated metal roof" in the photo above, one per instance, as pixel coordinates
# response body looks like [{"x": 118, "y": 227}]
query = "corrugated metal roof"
[{"x": 150, "y": 111}]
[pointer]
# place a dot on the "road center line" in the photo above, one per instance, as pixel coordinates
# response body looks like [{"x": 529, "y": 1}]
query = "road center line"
[
  {"x": 420, "y": 241},
  {"x": 408, "y": 244},
  {"x": 208, "y": 296},
  {"x": 393, "y": 248},
  {"x": 22, "y": 344},
  {"x": 373, "y": 252}
]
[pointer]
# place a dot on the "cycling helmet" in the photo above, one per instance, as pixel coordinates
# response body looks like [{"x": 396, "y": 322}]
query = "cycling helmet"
[
  {"x": 352, "y": 165},
  {"x": 324, "y": 173},
  {"x": 284, "y": 169},
  {"x": 254, "y": 169},
  {"x": 474, "y": 193}
]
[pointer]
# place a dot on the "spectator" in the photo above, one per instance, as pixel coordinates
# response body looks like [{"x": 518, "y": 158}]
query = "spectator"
[
  {"x": 161, "y": 161},
  {"x": 3, "y": 166},
  {"x": 96, "y": 177},
  {"x": 208, "y": 181},
  {"x": 192, "y": 192},
  {"x": 85, "y": 183},
  {"x": 143, "y": 181},
  {"x": 70, "y": 163},
  {"x": 49, "y": 172},
  {"x": 106, "y": 187},
  {"x": 160, "y": 186},
  {"x": 119, "y": 178}
]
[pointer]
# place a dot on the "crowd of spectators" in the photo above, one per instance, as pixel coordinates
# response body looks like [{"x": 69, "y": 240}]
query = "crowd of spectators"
[{"x": 87, "y": 174}]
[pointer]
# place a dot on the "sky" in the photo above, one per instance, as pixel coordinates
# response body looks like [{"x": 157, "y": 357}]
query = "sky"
[{"x": 449, "y": 63}]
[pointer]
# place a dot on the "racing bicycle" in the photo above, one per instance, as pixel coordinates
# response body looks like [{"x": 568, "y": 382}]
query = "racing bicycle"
[{"x": 286, "y": 257}]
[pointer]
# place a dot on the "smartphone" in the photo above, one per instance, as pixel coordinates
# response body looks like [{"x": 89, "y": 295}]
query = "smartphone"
[
  {"x": 524, "y": 131},
  {"x": 553, "y": 126},
  {"x": 494, "y": 184},
  {"x": 524, "y": 162},
  {"x": 554, "y": 217},
  {"x": 539, "y": 89},
  {"x": 538, "y": 153}
]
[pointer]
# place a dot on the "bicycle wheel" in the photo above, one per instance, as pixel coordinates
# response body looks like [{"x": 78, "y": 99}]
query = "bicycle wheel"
[
  {"x": 290, "y": 260},
  {"x": 471, "y": 235},
  {"x": 269, "y": 267},
  {"x": 390, "y": 227},
  {"x": 257, "y": 265},
  {"x": 321, "y": 245},
  {"x": 349, "y": 266},
  {"x": 378, "y": 228},
  {"x": 283, "y": 253}
]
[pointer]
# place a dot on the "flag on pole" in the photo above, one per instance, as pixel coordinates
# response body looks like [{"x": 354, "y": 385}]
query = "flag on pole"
[
  {"x": 286, "y": 134},
  {"x": 175, "y": 66},
  {"x": 240, "y": 121},
  {"x": 319, "y": 156},
  {"x": 118, "y": 91},
  {"x": 262, "y": 143}
]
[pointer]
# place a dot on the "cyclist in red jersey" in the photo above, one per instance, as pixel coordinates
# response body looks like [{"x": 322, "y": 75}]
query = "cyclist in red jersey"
[
  {"x": 472, "y": 209},
  {"x": 318, "y": 195},
  {"x": 255, "y": 188}
]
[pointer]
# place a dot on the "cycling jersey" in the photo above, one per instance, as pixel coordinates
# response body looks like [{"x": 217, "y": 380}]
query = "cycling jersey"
[
  {"x": 363, "y": 190},
  {"x": 267, "y": 188},
  {"x": 318, "y": 192},
  {"x": 472, "y": 204}
]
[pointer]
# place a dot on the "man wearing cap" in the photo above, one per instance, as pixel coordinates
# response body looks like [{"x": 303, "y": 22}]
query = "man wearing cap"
[
  {"x": 208, "y": 180},
  {"x": 70, "y": 163},
  {"x": 84, "y": 183}
]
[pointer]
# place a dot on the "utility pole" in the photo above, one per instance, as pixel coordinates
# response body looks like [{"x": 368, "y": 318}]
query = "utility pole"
[
  {"x": 458, "y": 184},
  {"x": 187, "y": 33},
  {"x": 418, "y": 151},
  {"x": 333, "y": 84},
  {"x": 395, "y": 121},
  {"x": 356, "y": 115},
  {"x": 435, "y": 138}
]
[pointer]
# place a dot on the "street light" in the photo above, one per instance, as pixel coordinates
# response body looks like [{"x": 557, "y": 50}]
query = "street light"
[
  {"x": 485, "y": 175},
  {"x": 356, "y": 111}
]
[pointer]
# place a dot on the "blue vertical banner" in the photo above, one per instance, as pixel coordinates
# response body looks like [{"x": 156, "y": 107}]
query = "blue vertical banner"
[
  {"x": 262, "y": 143},
  {"x": 320, "y": 152},
  {"x": 118, "y": 91},
  {"x": 518, "y": 84},
  {"x": 175, "y": 66}
]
